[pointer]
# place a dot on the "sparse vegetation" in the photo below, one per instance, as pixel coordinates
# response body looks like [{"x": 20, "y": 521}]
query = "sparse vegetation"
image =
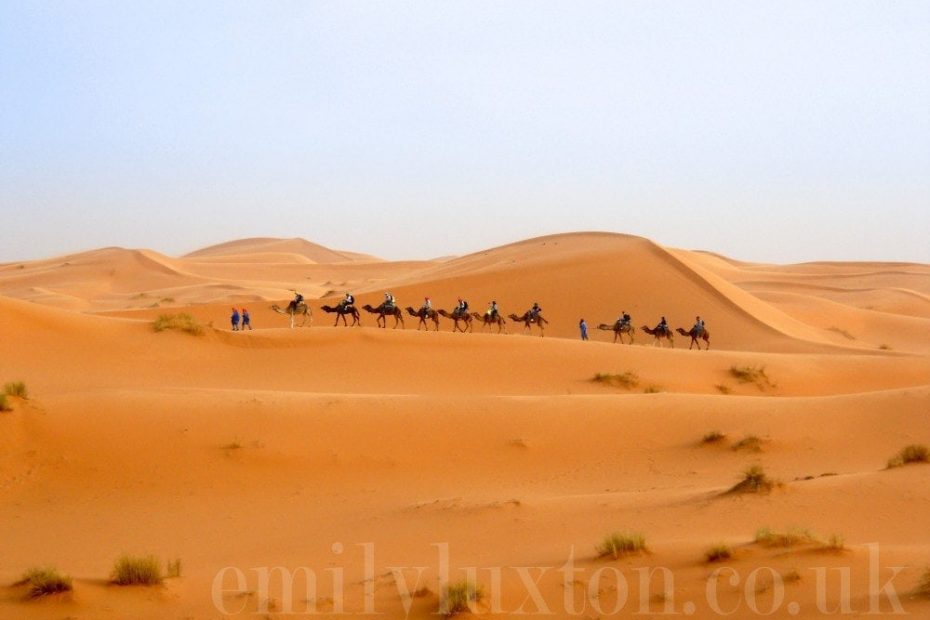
[
  {"x": 619, "y": 544},
  {"x": 143, "y": 570},
  {"x": 652, "y": 389},
  {"x": 233, "y": 445},
  {"x": 836, "y": 542},
  {"x": 461, "y": 597},
  {"x": 723, "y": 389},
  {"x": 884, "y": 347},
  {"x": 751, "y": 374},
  {"x": 789, "y": 538},
  {"x": 45, "y": 581},
  {"x": 625, "y": 380},
  {"x": 750, "y": 443},
  {"x": 174, "y": 568},
  {"x": 182, "y": 322},
  {"x": 718, "y": 553},
  {"x": 841, "y": 332},
  {"x": 914, "y": 453},
  {"x": 4, "y": 406},
  {"x": 754, "y": 480},
  {"x": 713, "y": 437},
  {"x": 16, "y": 388}
]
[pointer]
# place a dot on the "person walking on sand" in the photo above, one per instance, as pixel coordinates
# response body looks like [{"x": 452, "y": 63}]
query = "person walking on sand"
[
  {"x": 234, "y": 319},
  {"x": 583, "y": 326},
  {"x": 246, "y": 319}
]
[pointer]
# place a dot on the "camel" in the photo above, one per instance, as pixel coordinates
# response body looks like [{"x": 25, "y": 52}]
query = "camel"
[
  {"x": 527, "y": 319},
  {"x": 487, "y": 321},
  {"x": 619, "y": 329},
  {"x": 291, "y": 311},
  {"x": 659, "y": 335},
  {"x": 341, "y": 312},
  {"x": 383, "y": 312},
  {"x": 423, "y": 315},
  {"x": 466, "y": 318},
  {"x": 705, "y": 336}
]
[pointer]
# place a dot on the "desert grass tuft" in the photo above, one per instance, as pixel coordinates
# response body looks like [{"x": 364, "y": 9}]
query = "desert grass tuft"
[
  {"x": 460, "y": 597},
  {"x": 17, "y": 389},
  {"x": 914, "y": 453},
  {"x": 713, "y": 437},
  {"x": 182, "y": 322},
  {"x": 142, "y": 570},
  {"x": 652, "y": 389},
  {"x": 751, "y": 374},
  {"x": 789, "y": 538},
  {"x": 836, "y": 542},
  {"x": 718, "y": 553},
  {"x": 750, "y": 443},
  {"x": 625, "y": 380},
  {"x": 619, "y": 544},
  {"x": 723, "y": 389},
  {"x": 884, "y": 347},
  {"x": 233, "y": 445},
  {"x": 754, "y": 480},
  {"x": 4, "y": 405},
  {"x": 45, "y": 581}
]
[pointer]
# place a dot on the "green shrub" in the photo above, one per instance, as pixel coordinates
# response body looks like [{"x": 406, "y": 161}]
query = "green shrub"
[
  {"x": 45, "y": 581},
  {"x": 913, "y": 453},
  {"x": 461, "y": 597},
  {"x": 130, "y": 571},
  {"x": 182, "y": 322},
  {"x": 619, "y": 544},
  {"x": 16, "y": 388}
]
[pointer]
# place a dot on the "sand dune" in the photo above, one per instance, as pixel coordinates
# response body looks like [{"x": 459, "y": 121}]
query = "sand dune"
[{"x": 267, "y": 447}]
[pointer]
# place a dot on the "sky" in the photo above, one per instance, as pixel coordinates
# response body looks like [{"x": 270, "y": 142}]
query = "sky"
[{"x": 767, "y": 131}]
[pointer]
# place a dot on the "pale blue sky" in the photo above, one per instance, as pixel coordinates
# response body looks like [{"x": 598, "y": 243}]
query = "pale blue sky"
[{"x": 777, "y": 131}]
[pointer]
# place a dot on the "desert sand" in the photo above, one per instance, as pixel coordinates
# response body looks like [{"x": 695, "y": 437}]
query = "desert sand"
[{"x": 310, "y": 447}]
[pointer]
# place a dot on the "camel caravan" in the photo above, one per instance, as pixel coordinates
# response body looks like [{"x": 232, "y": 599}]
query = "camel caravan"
[{"x": 464, "y": 320}]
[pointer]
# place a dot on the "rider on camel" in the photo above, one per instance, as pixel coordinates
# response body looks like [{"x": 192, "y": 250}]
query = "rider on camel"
[{"x": 662, "y": 327}]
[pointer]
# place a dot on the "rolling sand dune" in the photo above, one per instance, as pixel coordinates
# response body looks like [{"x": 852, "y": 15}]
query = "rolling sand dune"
[{"x": 269, "y": 447}]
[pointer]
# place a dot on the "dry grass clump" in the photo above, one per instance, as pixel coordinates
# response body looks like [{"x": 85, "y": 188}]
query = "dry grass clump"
[
  {"x": 4, "y": 406},
  {"x": 718, "y": 553},
  {"x": 45, "y": 581},
  {"x": 460, "y": 597},
  {"x": 652, "y": 389},
  {"x": 750, "y": 443},
  {"x": 625, "y": 380},
  {"x": 132, "y": 571},
  {"x": 723, "y": 389},
  {"x": 751, "y": 374},
  {"x": 754, "y": 480},
  {"x": 17, "y": 389},
  {"x": 884, "y": 347},
  {"x": 914, "y": 453},
  {"x": 182, "y": 322},
  {"x": 790, "y": 538},
  {"x": 619, "y": 544},
  {"x": 836, "y": 542},
  {"x": 713, "y": 437}
]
